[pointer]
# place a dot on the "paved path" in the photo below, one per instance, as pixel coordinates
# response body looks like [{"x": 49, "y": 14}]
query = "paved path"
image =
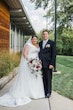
[
  {"x": 41, "y": 104},
  {"x": 59, "y": 102},
  {"x": 56, "y": 102}
]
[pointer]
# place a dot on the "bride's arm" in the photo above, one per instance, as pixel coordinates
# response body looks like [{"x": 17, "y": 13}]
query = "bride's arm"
[{"x": 25, "y": 52}]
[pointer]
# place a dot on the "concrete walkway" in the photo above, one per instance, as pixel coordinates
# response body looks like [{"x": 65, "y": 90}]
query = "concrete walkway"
[
  {"x": 56, "y": 102},
  {"x": 59, "y": 102}
]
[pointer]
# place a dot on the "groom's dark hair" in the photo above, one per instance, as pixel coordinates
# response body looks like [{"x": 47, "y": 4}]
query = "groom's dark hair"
[{"x": 45, "y": 30}]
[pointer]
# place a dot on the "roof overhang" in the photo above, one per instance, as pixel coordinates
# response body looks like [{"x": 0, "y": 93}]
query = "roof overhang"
[{"x": 19, "y": 17}]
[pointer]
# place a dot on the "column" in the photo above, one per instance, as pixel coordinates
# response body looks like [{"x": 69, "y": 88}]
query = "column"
[
  {"x": 19, "y": 41},
  {"x": 15, "y": 40},
  {"x": 10, "y": 39}
]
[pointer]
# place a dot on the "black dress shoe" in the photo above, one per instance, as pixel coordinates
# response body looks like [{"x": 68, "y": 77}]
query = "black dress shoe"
[{"x": 48, "y": 95}]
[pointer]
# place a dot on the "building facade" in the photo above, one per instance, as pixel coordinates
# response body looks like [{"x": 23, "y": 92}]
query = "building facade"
[
  {"x": 14, "y": 25},
  {"x": 4, "y": 26}
]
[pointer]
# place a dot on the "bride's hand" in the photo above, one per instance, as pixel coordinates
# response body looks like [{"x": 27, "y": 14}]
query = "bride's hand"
[{"x": 25, "y": 52}]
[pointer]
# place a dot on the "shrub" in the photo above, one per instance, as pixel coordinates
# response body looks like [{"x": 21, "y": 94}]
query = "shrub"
[{"x": 8, "y": 62}]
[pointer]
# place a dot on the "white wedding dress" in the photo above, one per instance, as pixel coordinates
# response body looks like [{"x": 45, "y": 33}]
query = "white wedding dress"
[{"x": 26, "y": 86}]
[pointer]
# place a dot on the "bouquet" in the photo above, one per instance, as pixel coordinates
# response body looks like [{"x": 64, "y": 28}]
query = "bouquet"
[{"x": 35, "y": 66}]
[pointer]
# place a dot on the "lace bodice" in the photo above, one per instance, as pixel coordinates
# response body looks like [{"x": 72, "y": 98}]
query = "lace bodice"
[{"x": 33, "y": 51}]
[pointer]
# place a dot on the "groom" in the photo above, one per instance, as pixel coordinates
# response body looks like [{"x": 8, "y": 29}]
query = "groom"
[{"x": 47, "y": 55}]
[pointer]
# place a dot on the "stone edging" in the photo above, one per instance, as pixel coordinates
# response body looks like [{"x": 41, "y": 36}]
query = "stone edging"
[{"x": 6, "y": 79}]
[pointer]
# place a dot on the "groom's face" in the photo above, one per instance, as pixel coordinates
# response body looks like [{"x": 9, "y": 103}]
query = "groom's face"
[{"x": 45, "y": 35}]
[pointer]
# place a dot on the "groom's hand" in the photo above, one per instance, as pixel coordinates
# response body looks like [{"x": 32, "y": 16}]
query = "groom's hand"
[{"x": 51, "y": 67}]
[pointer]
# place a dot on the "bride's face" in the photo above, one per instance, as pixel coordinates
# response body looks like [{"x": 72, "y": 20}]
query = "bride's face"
[{"x": 34, "y": 40}]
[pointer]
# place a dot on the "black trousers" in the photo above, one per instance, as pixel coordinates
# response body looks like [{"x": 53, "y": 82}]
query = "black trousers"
[{"x": 47, "y": 80}]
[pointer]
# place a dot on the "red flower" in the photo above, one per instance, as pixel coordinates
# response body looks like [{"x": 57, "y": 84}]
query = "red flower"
[
  {"x": 31, "y": 61},
  {"x": 37, "y": 66}
]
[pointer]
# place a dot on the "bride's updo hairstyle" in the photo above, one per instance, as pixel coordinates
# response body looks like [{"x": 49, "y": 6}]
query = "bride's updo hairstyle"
[{"x": 33, "y": 36}]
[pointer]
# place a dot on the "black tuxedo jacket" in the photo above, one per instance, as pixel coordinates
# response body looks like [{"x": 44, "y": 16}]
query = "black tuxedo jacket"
[{"x": 48, "y": 53}]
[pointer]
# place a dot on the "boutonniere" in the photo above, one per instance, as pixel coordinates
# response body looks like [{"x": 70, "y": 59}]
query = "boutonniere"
[{"x": 48, "y": 45}]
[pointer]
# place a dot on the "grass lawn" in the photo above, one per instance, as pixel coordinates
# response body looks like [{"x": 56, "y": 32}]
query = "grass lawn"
[{"x": 63, "y": 83}]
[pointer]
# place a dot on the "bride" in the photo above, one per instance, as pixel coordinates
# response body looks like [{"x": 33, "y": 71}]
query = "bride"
[{"x": 26, "y": 86}]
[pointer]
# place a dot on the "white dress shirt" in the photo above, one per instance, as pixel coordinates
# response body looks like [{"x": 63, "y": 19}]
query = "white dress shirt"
[{"x": 44, "y": 42}]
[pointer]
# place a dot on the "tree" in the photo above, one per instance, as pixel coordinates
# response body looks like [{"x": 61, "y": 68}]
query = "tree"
[
  {"x": 64, "y": 23},
  {"x": 40, "y": 3},
  {"x": 64, "y": 11}
]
